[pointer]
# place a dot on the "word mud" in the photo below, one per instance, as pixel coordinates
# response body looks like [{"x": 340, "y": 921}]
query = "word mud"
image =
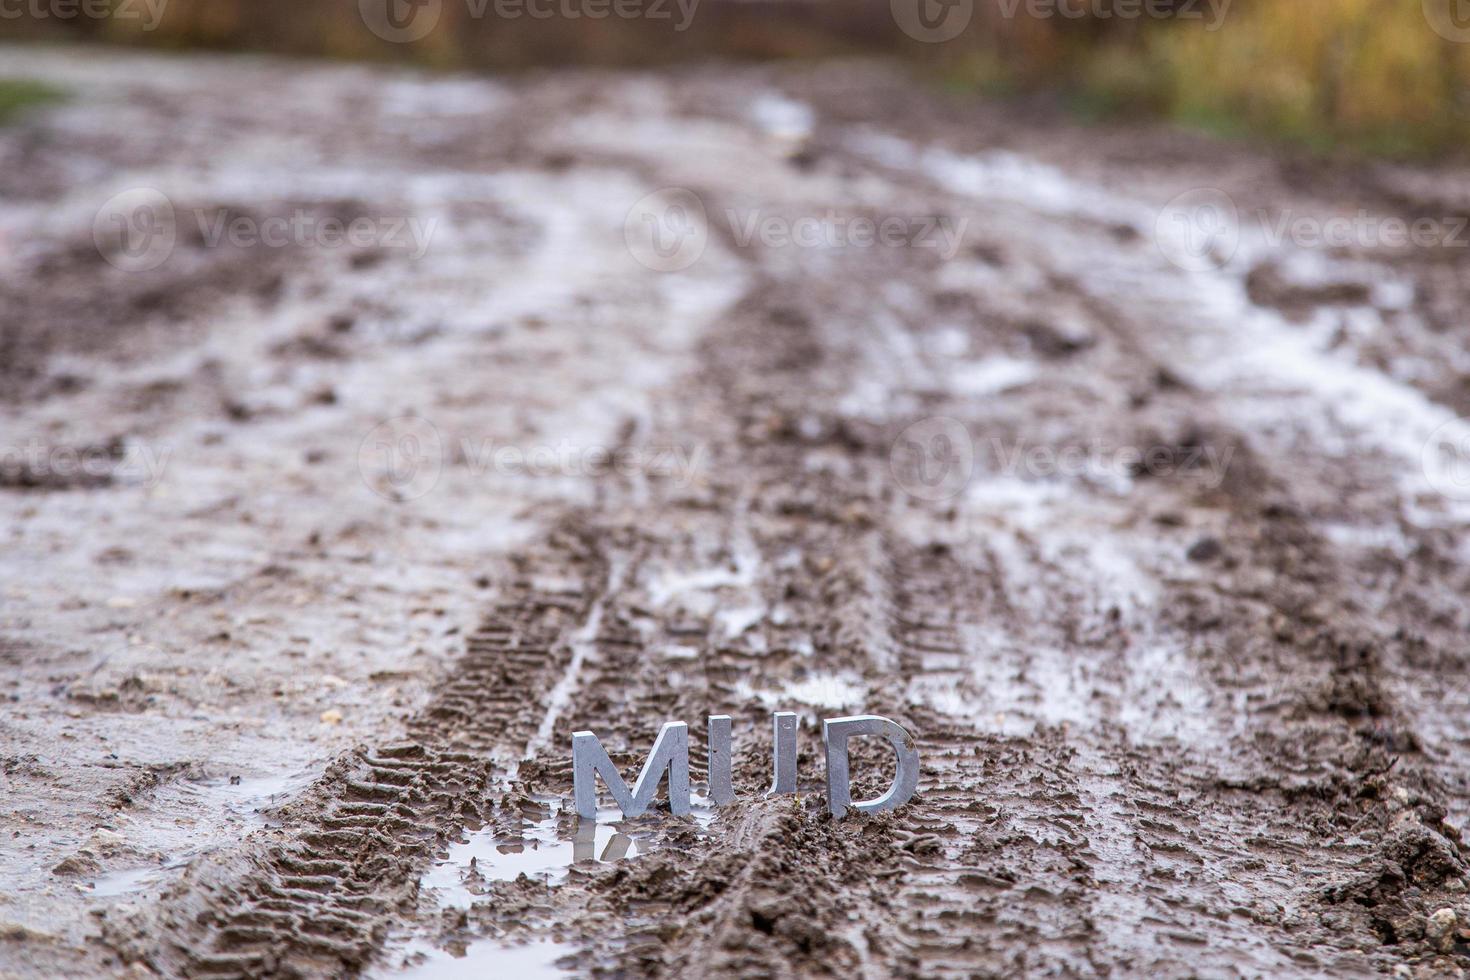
[{"x": 670, "y": 756}]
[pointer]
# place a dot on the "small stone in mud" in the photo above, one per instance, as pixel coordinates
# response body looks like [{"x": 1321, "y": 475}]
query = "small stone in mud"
[
  {"x": 804, "y": 159},
  {"x": 1439, "y": 929},
  {"x": 1205, "y": 549},
  {"x": 331, "y": 717},
  {"x": 924, "y": 844},
  {"x": 81, "y": 863}
]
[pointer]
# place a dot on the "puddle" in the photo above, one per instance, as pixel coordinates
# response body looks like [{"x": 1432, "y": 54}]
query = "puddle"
[
  {"x": 125, "y": 882},
  {"x": 235, "y": 806},
  {"x": 485, "y": 959},
  {"x": 539, "y": 851},
  {"x": 243, "y": 798},
  {"x": 832, "y": 692}
]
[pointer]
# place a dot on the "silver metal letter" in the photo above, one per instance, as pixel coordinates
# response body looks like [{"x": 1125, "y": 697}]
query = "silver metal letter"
[
  {"x": 721, "y": 793},
  {"x": 783, "y": 761},
  {"x": 670, "y": 751},
  {"x": 836, "y": 732}
]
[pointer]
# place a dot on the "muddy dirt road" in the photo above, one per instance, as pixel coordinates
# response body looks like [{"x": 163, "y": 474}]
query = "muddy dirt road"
[{"x": 317, "y": 550}]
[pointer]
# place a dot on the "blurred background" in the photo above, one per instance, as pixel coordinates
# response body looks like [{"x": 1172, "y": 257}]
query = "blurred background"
[{"x": 1360, "y": 76}]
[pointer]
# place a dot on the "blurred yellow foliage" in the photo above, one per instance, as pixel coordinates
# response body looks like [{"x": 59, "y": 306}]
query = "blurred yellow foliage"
[{"x": 1370, "y": 73}]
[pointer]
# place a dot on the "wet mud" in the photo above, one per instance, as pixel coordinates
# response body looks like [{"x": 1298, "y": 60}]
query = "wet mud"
[{"x": 1195, "y": 707}]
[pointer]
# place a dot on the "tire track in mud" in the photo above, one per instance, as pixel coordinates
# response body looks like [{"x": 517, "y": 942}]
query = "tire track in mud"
[
  {"x": 871, "y": 612},
  {"x": 1134, "y": 823},
  {"x": 1029, "y": 848},
  {"x": 1341, "y": 733},
  {"x": 1306, "y": 604},
  {"x": 321, "y": 901},
  {"x": 1272, "y": 835},
  {"x": 735, "y": 575}
]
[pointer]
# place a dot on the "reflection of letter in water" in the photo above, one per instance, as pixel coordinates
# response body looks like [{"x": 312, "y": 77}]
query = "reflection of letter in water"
[
  {"x": 617, "y": 848},
  {"x": 584, "y": 844},
  {"x": 836, "y": 732},
  {"x": 670, "y": 751},
  {"x": 721, "y": 793},
  {"x": 784, "y": 754}
]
